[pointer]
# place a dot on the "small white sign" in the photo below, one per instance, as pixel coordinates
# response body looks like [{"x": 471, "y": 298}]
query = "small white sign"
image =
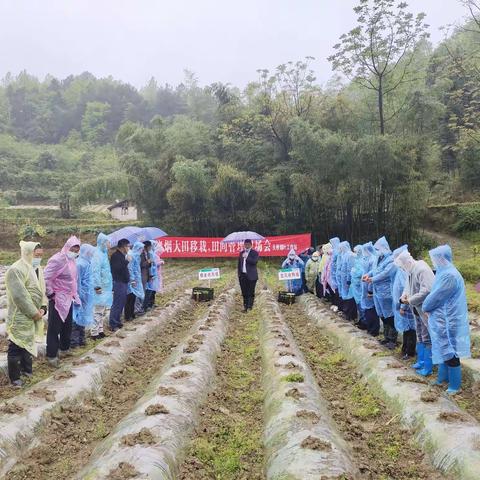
[
  {"x": 289, "y": 274},
  {"x": 209, "y": 274}
]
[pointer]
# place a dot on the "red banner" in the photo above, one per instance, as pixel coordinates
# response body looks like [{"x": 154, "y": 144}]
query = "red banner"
[{"x": 185, "y": 247}]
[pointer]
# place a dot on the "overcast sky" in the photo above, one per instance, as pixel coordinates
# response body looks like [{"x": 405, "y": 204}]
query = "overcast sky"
[{"x": 220, "y": 40}]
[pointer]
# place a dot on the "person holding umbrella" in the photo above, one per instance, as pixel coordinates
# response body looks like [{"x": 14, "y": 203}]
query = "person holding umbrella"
[{"x": 247, "y": 274}]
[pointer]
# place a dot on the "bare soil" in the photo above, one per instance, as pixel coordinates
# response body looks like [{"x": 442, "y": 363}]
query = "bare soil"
[
  {"x": 382, "y": 447},
  {"x": 314, "y": 443},
  {"x": 70, "y": 435},
  {"x": 124, "y": 471},
  {"x": 228, "y": 442}
]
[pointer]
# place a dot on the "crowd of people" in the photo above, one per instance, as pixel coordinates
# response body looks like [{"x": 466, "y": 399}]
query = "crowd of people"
[
  {"x": 373, "y": 285},
  {"x": 370, "y": 285},
  {"x": 78, "y": 288}
]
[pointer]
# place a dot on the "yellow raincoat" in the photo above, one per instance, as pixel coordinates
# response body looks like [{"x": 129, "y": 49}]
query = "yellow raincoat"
[{"x": 25, "y": 296}]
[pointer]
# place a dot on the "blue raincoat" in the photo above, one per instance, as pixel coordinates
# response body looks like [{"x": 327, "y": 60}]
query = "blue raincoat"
[
  {"x": 382, "y": 276},
  {"x": 136, "y": 272},
  {"x": 332, "y": 281},
  {"x": 369, "y": 261},
  {"x": 294, "y": 286},
  {"x": 101, "y": 273},
  {"x": 344, "y": 270},
  {"x": 447, "y": 306},
  {"x": 83, "y": 313},
  {"x": 356, "y": 275},
  {"x": 153, "y": 282},
  {"x": 407, "y": 320}
]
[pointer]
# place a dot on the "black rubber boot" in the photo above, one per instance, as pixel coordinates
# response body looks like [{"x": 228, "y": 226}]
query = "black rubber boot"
[
  {"x": 26, "y": 364},
  {"x": 14, "y": 368}
]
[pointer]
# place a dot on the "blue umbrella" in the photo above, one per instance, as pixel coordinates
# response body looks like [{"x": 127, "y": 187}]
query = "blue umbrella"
[
  {"x": 236, "y": 237},
  {"x": 130, "y": 233},
  {"x": 152, "y": 233},
  {"x": 135, "y": 234}
]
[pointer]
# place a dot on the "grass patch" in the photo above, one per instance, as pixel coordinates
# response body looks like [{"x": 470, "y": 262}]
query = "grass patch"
[
  {"x": 293, "y": 377},
  {"x": 229, "y": 442},
  {"x": 365, "y": 404}
]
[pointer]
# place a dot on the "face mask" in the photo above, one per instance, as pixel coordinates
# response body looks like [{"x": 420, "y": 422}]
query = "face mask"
[
  {"x": 128, "y": 255},
  {"x": 315, "y": 259},
  {"x": 72, "y": 255},
  {"x": 36, "y": 262}
]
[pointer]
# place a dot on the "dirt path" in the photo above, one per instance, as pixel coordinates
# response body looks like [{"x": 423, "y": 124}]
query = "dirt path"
[
  {"x": 71, "y": 434},
  {"x": 382, "y": 447},
  {"x": 228, "y": 442},
  {"x": 461, "y": 247}
]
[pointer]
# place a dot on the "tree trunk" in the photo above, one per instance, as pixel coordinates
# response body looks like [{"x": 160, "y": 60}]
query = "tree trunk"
[{"x": 380, "y": 106}]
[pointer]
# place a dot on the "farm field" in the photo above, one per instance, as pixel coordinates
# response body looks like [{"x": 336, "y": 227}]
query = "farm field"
[{"x": 203, "y": 391}]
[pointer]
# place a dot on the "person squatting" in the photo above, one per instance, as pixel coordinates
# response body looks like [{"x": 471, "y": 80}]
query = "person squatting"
[
  {"x": 373, "y": 285},
  {"x": 78, "y": 287}
]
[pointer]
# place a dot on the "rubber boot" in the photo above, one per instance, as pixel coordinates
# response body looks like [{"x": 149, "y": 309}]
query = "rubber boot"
[
  {"x": 454, "y": 379},
  {"x": 442, "y": 374},
  {"x": 419, "y": 363},
  {"x": 386, "y": 330},
  {"x": 14, "y": 370},
  {"x": 427, "y": 362}
]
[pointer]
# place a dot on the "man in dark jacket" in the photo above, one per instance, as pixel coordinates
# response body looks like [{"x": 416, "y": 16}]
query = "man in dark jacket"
[
  {"x": 247, "y": 274},
  {"x": 121, "y": 277}
]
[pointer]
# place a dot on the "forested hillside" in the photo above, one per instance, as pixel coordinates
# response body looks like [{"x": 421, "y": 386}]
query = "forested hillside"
[{"x": 396, "y": 130}]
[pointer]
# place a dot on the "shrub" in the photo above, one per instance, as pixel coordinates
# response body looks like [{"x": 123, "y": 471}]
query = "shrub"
[
  {"x": 30, "y": 231},
  {"x": 468, "y": 218},
  {"x": 470, "y": 270}
]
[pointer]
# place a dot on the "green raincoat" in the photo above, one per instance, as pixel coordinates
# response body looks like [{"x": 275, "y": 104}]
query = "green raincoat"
[
  {"x": 25, "y": 296},
  {"x": 312, "y": 269}
]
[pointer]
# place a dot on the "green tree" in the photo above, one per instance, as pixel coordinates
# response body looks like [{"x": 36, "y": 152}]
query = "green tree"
[
  {"x": 94, "y": 122},
  {"x": 378, "y": 53},
  {"x": 46, "y": 161},
  {"x": 188, "y": 195}
]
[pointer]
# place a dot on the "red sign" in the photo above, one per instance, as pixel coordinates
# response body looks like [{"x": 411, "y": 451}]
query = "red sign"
[{"x": 184, "y": 247}]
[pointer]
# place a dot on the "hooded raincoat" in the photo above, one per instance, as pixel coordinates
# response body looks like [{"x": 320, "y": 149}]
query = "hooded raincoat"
[
  {"x": 61, "y": 279},
  {"x": 419, "y": 282},
  {"x": 447, "y": 308},
  {"x": 312, "y": 270},
  {"x": 344, "y": 270},
  {"x": 332, "y": 275},
  {"x": 83, "y": 313},
  {"x": 356, "y": 275},
  {"x": 25, "y": 296},
  {"x": 136, "y": 272},
  {"x": 405, "y": 321},
  {"x": 369, "y": 261},
  {"x": 159, "y": 263},
  {"x": 382, "y": 276},
  {"x": 325, "y": 266},
  {"x": 293, "y": 286},
  {"x": 101, "y": 273},
  {"x": 152, "y": 283}
]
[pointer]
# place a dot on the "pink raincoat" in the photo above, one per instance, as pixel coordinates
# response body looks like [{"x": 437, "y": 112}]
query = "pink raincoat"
[
  {"x": 61, "y": 279},
  {"x": 158, "y": 253}
]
